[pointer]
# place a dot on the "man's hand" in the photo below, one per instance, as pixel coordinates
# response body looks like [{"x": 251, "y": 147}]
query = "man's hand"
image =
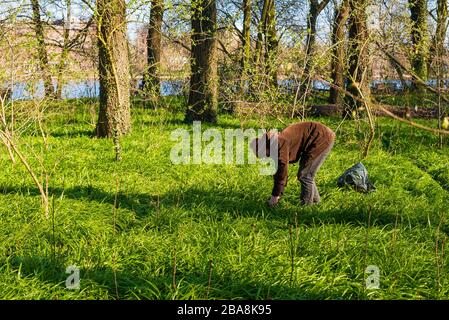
[{"x": 274, "y": 200}]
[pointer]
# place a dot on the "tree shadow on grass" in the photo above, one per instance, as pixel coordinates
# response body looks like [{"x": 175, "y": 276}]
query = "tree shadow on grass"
[
  {"x": 239, "y": 204},
  {"x": 216, "y": 203},
  {"x": 140, "y": 203},
  {"x": 47, "y": 269},
  {"x": 187, "y": 125},
  {"x": 73, "y": 133},
  {"x": 132, "y": 283}
]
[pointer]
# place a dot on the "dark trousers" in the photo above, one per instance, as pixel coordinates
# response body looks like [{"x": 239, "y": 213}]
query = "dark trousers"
[{"x": 306, "y": 176}]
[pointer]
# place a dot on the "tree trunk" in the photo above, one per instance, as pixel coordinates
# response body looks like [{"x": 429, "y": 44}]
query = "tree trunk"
[
  {"x": 439, "y": 53},
  {"x": 357, "y": 55},
  {"x": 65, "y": 49},
  {"x": 441, "y": 30},
  {"x": 266, "y": 47},
  {"x": 315, "y": 9},
  {"x": 42, "y": 49},
  {"x": 261, "y": 31},
  {"x": 246, "y": 45},
  {"x": 420, "y": 41},
  {"x": 339, "y": 48},
  {"x": 272, "y": 47},
  {"x": 258, "y": 77},
  {"x": 152, "y": 81},
  {"x": 114, "y": 117},
  {"x": 203, "y": 95},
  {"x": 310, "y": 46}
]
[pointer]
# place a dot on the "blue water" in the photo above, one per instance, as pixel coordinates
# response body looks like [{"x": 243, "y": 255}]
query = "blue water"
[
  {"x": 392, "y": 83},
  {"x": 91, "y": 88},
  {"x": 84, "y": 89}
]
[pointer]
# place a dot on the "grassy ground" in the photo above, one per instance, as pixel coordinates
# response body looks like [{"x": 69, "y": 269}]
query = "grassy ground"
[
  {"x": 213, "y": 221},
  {"x": 411, "y": 100}
]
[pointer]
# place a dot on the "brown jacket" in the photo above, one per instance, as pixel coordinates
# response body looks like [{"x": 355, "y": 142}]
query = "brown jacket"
[{"x": 305, "y": 141}]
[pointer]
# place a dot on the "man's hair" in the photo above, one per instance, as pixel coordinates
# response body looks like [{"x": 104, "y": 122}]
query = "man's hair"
[{"x": 263, "y": 141}]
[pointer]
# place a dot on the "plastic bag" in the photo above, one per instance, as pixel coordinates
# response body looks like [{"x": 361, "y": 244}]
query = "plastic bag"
[{"x": 356, "y": 177}]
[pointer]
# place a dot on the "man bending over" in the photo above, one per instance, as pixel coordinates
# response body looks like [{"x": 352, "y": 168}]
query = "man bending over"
[{"x": 306, "y": 142}]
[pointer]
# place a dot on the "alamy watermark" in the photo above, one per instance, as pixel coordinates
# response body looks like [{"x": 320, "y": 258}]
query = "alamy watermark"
[
  {"x": 73, "y": 280},
  {"x": 189, "y": 148},
  {"x": 373, "y": 280}
]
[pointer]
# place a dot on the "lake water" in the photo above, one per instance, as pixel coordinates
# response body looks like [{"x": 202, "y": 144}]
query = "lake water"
[
  {"x": 91, "y": 88},
  {"x": 85, "y": 89}
]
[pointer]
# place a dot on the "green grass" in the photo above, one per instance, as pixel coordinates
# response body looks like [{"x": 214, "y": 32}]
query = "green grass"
[
  {"x": 203, "y": 213},
  {"x": 410, "y": 99}
]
